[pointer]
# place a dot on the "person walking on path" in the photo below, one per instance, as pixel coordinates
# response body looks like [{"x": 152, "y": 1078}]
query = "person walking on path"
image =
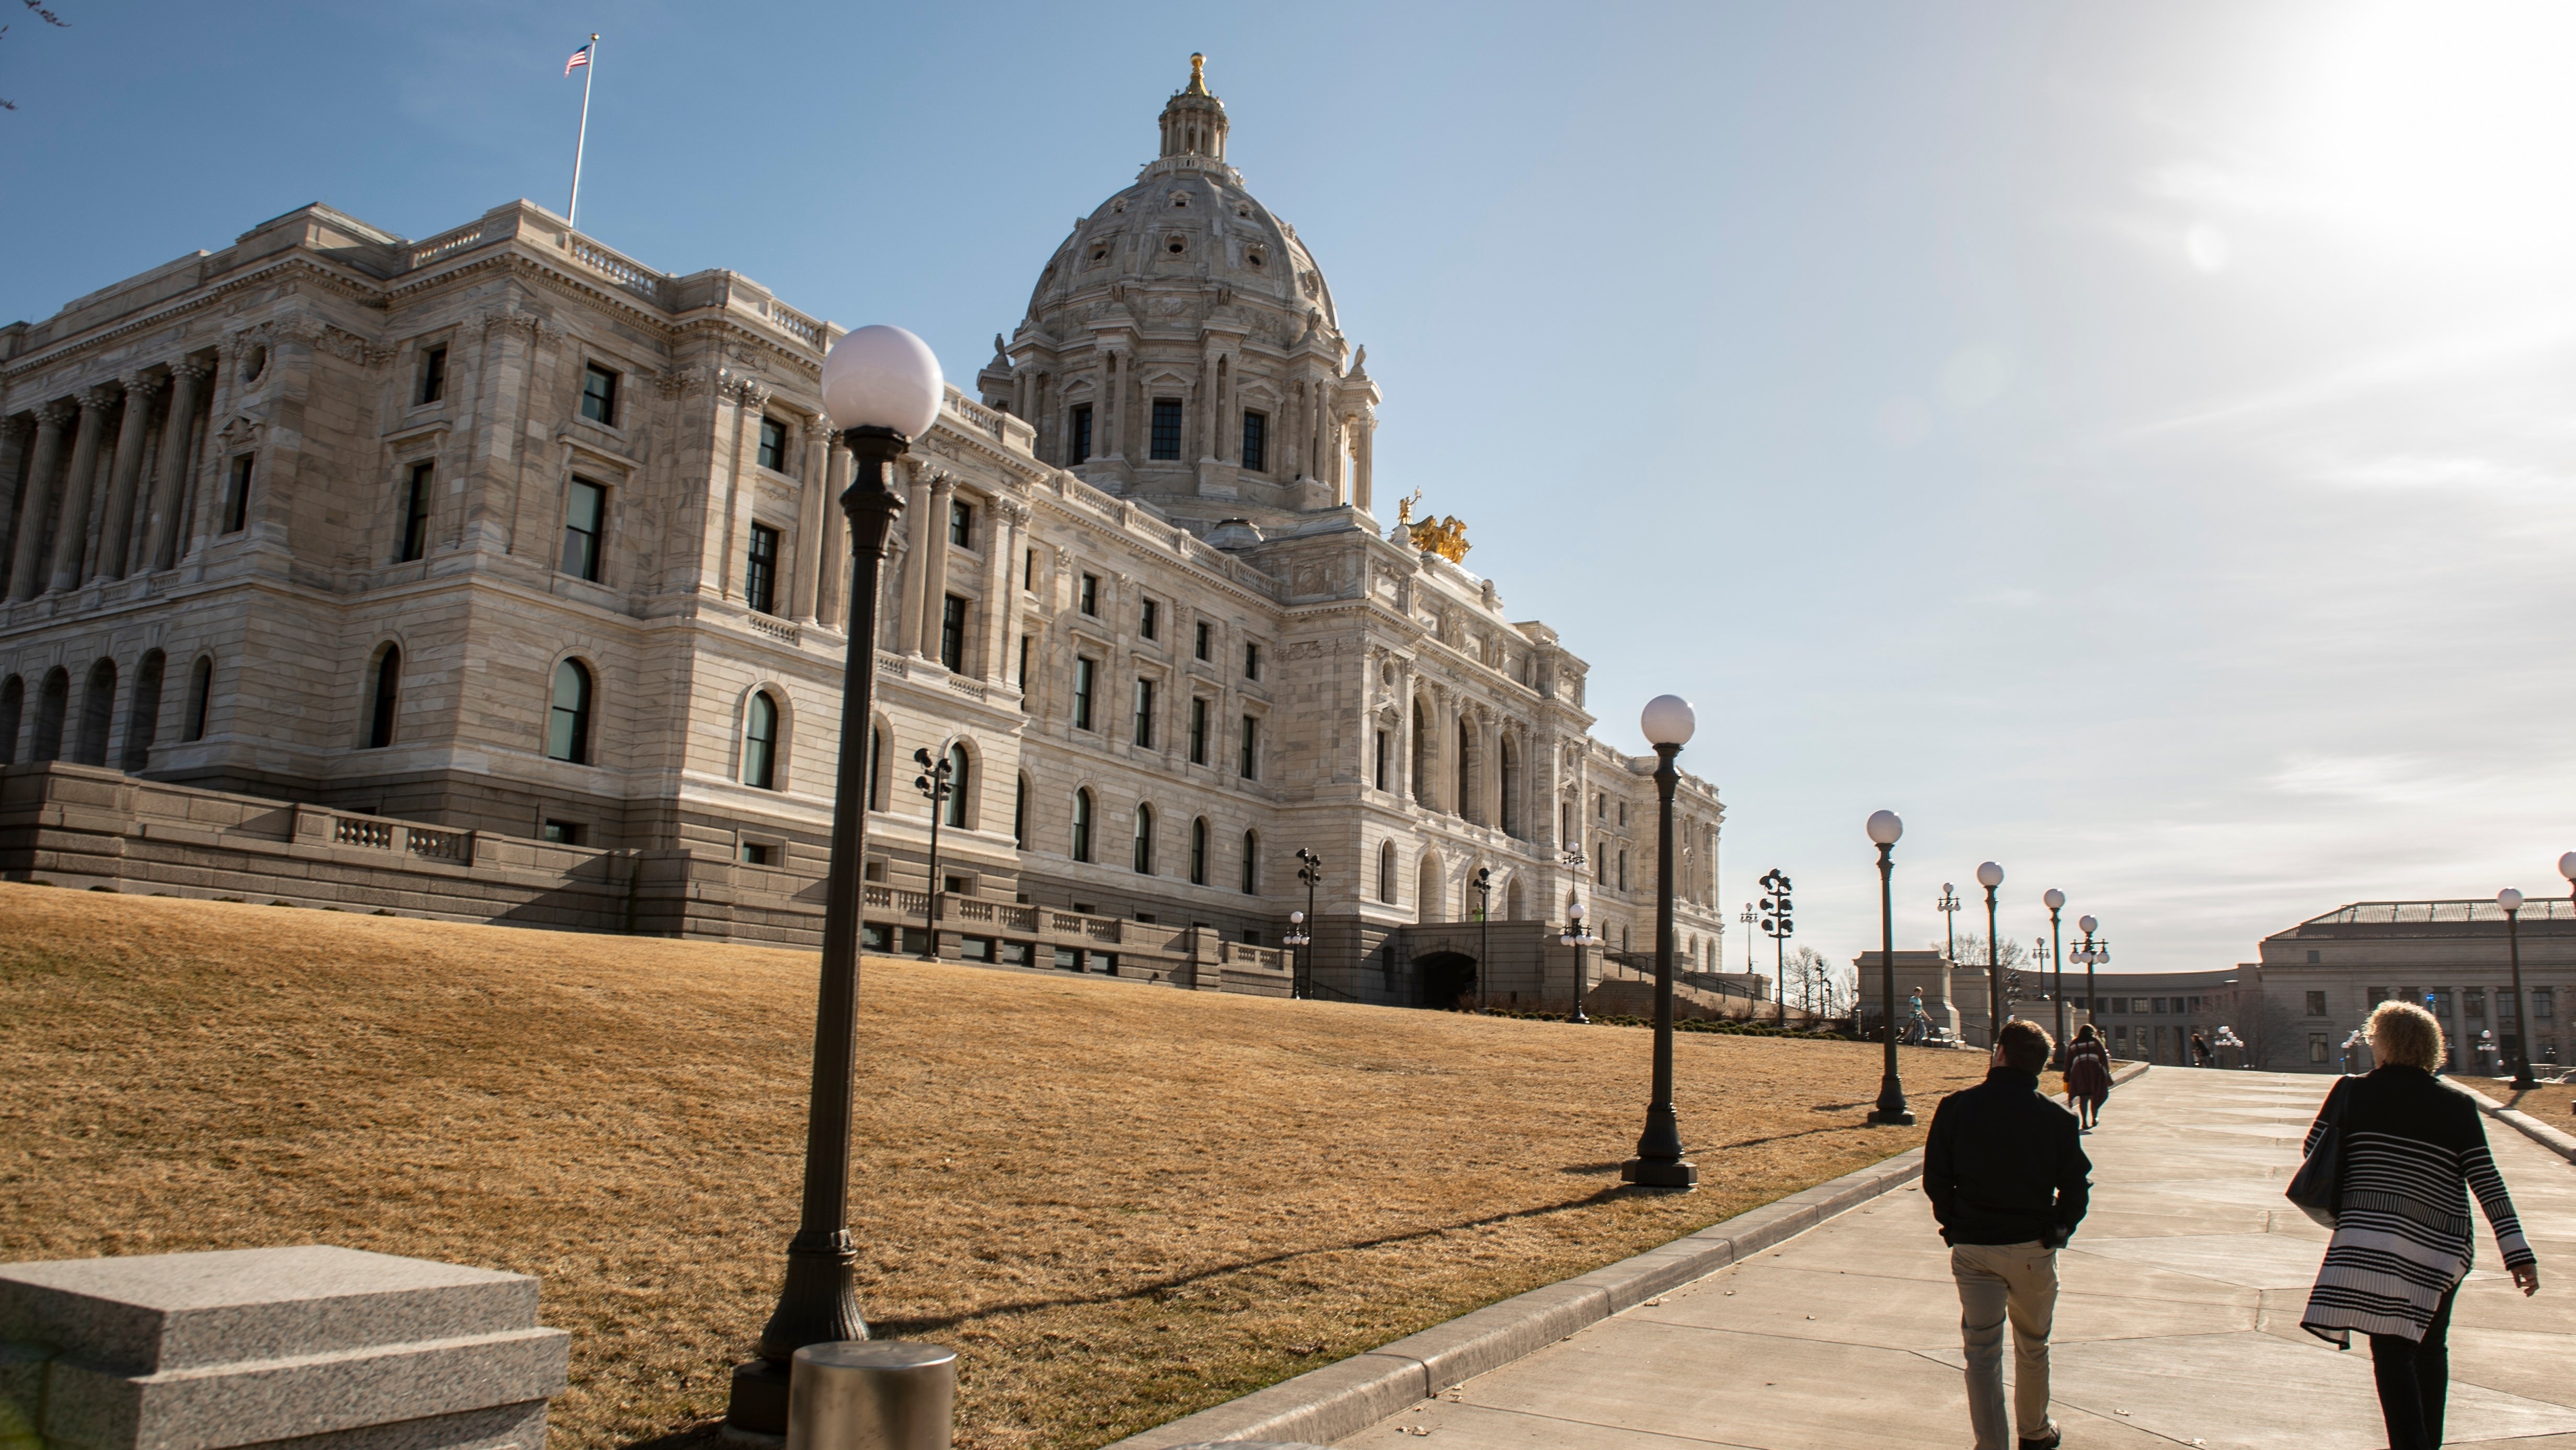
[
  {"x": 2199, "y": 1050},
  {"x": 2088, "y": 1076},
  {"x": 2008, "y": 1183},
  {"x": 2411, "y": 1152}
]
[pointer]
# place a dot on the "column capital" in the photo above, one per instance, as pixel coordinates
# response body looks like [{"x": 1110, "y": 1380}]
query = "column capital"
[
  {"x": 143, "y": 383},
  {"x": 58, "y": 412},
  {"x": 191, "y": 367},
  {"x": 100, "y": 398}
]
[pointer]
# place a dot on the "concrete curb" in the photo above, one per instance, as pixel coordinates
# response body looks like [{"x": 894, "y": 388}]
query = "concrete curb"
[{"x": 2530, "y": 1127}]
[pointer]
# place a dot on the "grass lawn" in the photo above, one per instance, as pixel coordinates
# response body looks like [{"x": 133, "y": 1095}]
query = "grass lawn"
[
  {"x": 2552, "y": 1103},
  {"x": 1120, "y": 1203}
]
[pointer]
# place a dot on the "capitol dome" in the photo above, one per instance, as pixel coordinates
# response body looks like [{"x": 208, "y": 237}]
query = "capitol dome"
[{"x": 1182, "y": 345}]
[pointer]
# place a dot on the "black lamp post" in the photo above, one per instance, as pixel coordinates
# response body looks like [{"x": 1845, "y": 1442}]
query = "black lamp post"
[
  {"x": 883, "y": 389},
  {"x": 2092, "y": 954},
  {"x": 1990, "y": 876},
  {"x": 1949, "y": 909},
  {"x": 935, "y": 784},
  {"x": 1484, "y": 884},
  {"x": 2511, "y": 901},
  {"x": 1748, "y": 918},
  {"x": 1668, "y": 723},
  {"x": 2055, "y": 901},
  {"x": 1777, "y": 926},
  {"x": 1885, "y": 828},
  {"x": 1578, "y": 938},
  {"x": 1301, "y": 931}
]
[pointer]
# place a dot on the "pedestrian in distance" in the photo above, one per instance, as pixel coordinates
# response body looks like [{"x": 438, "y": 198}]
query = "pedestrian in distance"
[
  {"x": 2199, "y": 1050},
  {"x": 2088, "y": 1076},
  {"x": 2408, "y": 1154},
  {"x": 2008, "y": 1181}
]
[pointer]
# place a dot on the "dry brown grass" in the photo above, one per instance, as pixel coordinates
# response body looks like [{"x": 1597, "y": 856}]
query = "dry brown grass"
[
  {"x": 2551, "y": 1102},
  {"x": 1120, "y": 1203}
]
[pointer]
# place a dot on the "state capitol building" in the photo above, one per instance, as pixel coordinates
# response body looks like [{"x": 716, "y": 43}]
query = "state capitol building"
[{"x": 500, "y": 577}]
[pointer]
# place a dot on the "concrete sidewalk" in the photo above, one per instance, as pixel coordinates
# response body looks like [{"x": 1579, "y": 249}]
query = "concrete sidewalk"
[{"x": 2177, "y": 1322}]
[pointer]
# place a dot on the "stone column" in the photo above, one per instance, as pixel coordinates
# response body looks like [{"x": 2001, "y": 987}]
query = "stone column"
[
  {"x": 161, "y": 521},
  {"x": 810, "y": 508},
  {"x": 15, "y": 433},
  {"x": 916, "y": 541},
  {"x": 1002, "y": 589},
  {"x": 71, "y": 528},
  {"x": 934, "y": 565},
  {"x": 1363, "y": 448},
  {"x": 832, "y": 596},
  {"x": 26, "y": 560},
  {"x": 116, "y": 530}
]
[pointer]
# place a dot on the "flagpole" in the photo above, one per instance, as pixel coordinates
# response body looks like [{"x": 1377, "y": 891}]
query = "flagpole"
[{"x": 582, "y": 139}]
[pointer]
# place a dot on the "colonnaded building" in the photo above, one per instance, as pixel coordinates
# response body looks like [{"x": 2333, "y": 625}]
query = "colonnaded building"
[{"x": 498, "y": 576}]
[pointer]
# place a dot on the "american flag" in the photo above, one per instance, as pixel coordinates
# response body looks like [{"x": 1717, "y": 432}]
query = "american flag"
[{"x": 580, "y": 58}]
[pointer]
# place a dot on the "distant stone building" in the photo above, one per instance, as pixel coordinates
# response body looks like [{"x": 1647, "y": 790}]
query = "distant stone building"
[{"x": 504, "y": 545}]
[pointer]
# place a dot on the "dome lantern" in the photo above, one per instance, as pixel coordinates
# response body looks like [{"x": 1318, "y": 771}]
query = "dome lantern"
[{"x": 1194, "y": 119}]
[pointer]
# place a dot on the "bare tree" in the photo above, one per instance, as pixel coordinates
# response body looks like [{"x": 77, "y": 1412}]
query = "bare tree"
[
  {"x": 2273, "y": 1039},
  {"x": 36, "y": 8}
]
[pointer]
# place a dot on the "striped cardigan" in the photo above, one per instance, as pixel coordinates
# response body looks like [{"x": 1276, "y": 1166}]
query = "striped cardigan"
[{"x": 2413, "y": 1150}]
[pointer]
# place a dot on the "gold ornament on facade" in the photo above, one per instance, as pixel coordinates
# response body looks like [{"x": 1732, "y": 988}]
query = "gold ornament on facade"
[{"x": 1446, "y": 536}]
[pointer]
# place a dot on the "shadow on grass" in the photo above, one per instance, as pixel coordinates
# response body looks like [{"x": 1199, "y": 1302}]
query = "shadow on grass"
[
  {"x": 701, "y": 1436},
  {"x": 908, "y": 1328}
]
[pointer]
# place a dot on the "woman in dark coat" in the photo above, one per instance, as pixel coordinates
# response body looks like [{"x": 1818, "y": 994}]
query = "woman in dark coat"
[
  {"x": 2088, "y": 1075},
  {"x": 2413, "y": 1151}
]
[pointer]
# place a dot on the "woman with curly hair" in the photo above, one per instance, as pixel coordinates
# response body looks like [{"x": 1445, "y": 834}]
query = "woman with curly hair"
[
  {"x": 2088, "y": 1075},
  {"x": 2412, "y": 1152}
]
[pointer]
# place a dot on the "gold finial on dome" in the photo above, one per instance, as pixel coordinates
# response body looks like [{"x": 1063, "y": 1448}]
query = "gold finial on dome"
[{"x": 1198, "y": 75}]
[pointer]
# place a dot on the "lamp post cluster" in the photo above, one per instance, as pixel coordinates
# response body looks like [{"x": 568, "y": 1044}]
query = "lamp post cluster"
[
  {"x": 1577, "y": 936},
  {"x": 936, "y": 786},
  {"x": 1301, "y": 937},
  {"x": 1777, "y": 925}
]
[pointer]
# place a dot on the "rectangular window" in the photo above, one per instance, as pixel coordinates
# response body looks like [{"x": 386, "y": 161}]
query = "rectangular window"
[
  {"x": 1029, "y": 570},
  {"x": 1256, "y": 442},
  {"x": 1148, "y": 620},
  {"x": 1083, "y": 669},
  {"x": 2473, "y": 1002},
  {"x": 433, "y": 376},
  {"x": 599, "y": 396},
  {"x": 1198, "y": 730},
  {"x": 1252, "y": 662},
  {"x": 415, "y": 539},
  {"x": 1077, "y": 446},
  {"x": 1251, "y": 762},
  {"x": 2544, "y": 1002},
  {"x": 773, "y": 445},
  {"x": 237, "y": 497},
  {"x": 2316, "y": 1004},
  {"x": 1025, "y": 642},
  {"x": 760, "y": 572},
  {"x": 1089, "y": 599},
  {"x": 2316, "y": 1047},
  {"x": 1167, "y": 428},
  {"x": 961, "y": 524},
  {"x": 2120, "y": 1005},
  {"x": 562, "y": 833},
  {"x": 952, "y": 634},
  {"x": 2504, "y": 1004},
  {"x": 584, "y": 511},
  {"x": 1381, "y": 759},
  {"x": 754, "y": 854},
  {"x": 1201, "y": 649},
  {"x": 1145, "y": 713}
]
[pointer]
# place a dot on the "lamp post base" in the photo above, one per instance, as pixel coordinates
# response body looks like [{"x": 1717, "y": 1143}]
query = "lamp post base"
[
  {"x": 2524, "y": 1082},
  {"x": 759, "y": 1404},
  {"x": 1666, "y": 1173},
  {"x": 1885, "y": 1118}
]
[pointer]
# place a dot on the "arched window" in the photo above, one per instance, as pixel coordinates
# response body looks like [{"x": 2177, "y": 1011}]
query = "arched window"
[
  {"x": 760, "y": 742},
  {"x": 386, "y": 696},
  {"x": 1144, "y": 840},
  {"x": 1427, "y": 904},
  {"x": 1082, "y": 825},
  {"x": 1508, "y": 794},
  {"x": 1463, "y": 806},
  {"x": 877, "y": 768},
  {"x": 143, "y": 712},
  {"x": 13, "y": 708},
  {"x": 1251, "y": 863},
  {"x": 98, "y": 710},
  {"x": 53, "y": 700},
  {"x": 201, "y": 695},
  {"x": 1386, "y": 873},
  {"x": 958, "y": 783},
  {"x": 1421, "y": 755},
  {"x": 1020, "y": 814},
  {"x": 1512, "y": 900},
  {"x": 568, "y": 722},
  {"x": 1198, "y": 851}
]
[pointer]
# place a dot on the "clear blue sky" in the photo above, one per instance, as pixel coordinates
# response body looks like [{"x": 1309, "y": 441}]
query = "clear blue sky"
[{"x": 2131, "y": 441}]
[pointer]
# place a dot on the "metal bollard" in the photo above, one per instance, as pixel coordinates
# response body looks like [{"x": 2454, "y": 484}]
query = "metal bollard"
[{"x": 871, "y": 1394}]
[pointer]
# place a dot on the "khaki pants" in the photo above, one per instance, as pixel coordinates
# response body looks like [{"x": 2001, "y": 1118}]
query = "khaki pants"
[{"x": 1999, "y": 1282}]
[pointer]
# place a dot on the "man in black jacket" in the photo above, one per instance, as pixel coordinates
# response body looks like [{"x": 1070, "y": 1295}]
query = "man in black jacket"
[{"x": 2006, "y": 1176}]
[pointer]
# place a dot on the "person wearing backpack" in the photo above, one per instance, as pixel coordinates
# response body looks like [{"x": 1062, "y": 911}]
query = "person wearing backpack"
[{"x": 2404, "y": 1154}]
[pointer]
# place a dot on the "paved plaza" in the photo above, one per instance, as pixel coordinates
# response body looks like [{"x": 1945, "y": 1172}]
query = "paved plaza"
[{"x": 2177, "y": 1323}]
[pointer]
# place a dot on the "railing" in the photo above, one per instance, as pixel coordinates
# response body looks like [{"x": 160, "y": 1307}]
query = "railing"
[
  {"x": 350, "y": 831},
  {"x": 796, "y": 324},
  {"x": 775, "y": 629},
  {"x": 977, "y": 414},
  {"x": 616, "y": 268},
  {"x": 447, "y": 244},
  {"x": 968, "y": 687},
  {"x": 1267, "y": 958},
  {"x": 429, "y": 845},
  {"x": 1105, "y": 928}
]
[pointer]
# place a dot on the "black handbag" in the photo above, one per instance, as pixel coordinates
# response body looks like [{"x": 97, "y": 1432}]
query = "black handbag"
[{"x": 2317, "y": 1188}]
